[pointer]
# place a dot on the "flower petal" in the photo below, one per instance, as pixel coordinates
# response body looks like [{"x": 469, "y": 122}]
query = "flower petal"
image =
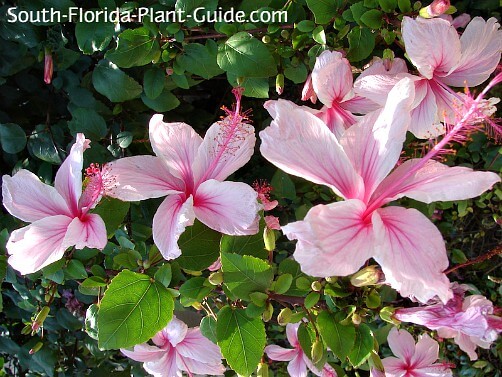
[
  {"x": 297, "y": 367},
  {"x": 337, "y": 119},
  {"x": 388, "y": 67},
  {"x": 139, "y": 178},
  {"x": 333, "y": 240},
  {"x": 436, "y": 182},
  {"x": 301, "y": 144},
  {"x": 433, "y": 46},
  {"x": 196, "y": 367},
  {"x": 144, "y": 352},
  {"x": 68, "y": 181},
  {"x": 173, "y": 215},
  {"x": 395, "y": 367},
  {"x": 280, "y": 353},
  {"x": 375, "y": 143},
  {"x": 28, "y": 199},
  {"x": 412, "y": 253},
  {"x": 227, "y": 207},
  {"x": 198, "y": 347},
  {"x": 87, "y": 232},
  {"x": 39, "y": 244},
  {"x": 481, "y": 44},
  {"x": 424, "y": 116},
  {"x": 166, "y": 365},
  {"x": 426, "y": 352},
  {"x": 292, "y": 333},
  {"x": 402, "y": 344},
  {"x": 177, "y": 143},
  {"x": 331, "y": 77}
]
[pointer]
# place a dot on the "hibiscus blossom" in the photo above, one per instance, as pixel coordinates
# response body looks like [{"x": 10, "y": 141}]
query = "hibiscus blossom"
[
  {"x": 190, "y": 171},
  {"x": 338, "y": 238},
  {"x": 59, "y": 215},
  {"x": 443, "y": 59},
  {"x": 468, "y": 320},
  {"x": 298, "y": 361},
  {"x": 178, "y": 349},
  {"x": 412, "y": 359}
]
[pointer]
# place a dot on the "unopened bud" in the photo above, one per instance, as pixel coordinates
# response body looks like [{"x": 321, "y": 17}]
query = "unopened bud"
[
  {"x": 308, "y": 91},
  {"x": 332, "y": 279},
  {"x": 266, "y": 39},
  {"x": 268, "y": 312},
  {"x": 367, "y": 276},
  {"x": 284, "y": 316},
  {"x": 36, "y": 348},
  {"x": 169, "y": 71},
  {"x": 436, "y": 8},
  {"x": 27, "y": 329},
  {"x": 317, "y": 351},
  {"x": 40, "y": 318},
  {"x": 279, "y": 83},
  {"x": 269, "y": 239},
  {"x": 146, "y": 264},
  {"x": 48, "y": 66},
  {"x": 316, "y": 286},
  {"x": 262, "y": 370},
  {"x": 356, "y": 319},
  {"x": 285, "y": 34},
  {"x": 216, "y": 278}
]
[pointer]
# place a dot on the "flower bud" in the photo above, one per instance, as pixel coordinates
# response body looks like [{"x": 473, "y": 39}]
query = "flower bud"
[
  {"x": 269, "y": 239},
  {"x": 284, "y": 316},
  {"x": 317, "y": 351},
  {"x": 48, "y": 66},
  {"x": 367, "y": 276},
  {"x": 279, "y": 83},
  {"x": 268, "y": 312},
  {"x": 36, "y": 348},
  {"x": 40, "y": 318},
  {"x": 436, "y": 8},
  {"x": 262, "y": 370},
  {"x": 316, "y": 286},
  {"x": 356, "y": 319},
  {"x": 216, "y": 278},
  {"x": 308, "y": 91}
]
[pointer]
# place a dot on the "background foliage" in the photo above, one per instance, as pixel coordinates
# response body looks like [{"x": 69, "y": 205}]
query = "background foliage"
[{"x": 108, "y": 80}]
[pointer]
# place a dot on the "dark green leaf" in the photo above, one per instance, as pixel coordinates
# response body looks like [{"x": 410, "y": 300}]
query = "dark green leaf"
[
  {"x": 208, "y": 328},
  {"x": 164, "y": 275},
  {"x": 112, "y": 211},
  {"x": 115, "y": 84},
  {"x": 91, "y": 321},
  {"x": 198, "y": 59},
  {"x": 283, "y": 186},
  {"x": 42, "y": 146},
  {"x": 75, "y": 270},
  {"x": 363, "y": 345},
  {"x": 12, "y": 138},
  {"x": 339, "y": 338},
  {"x": 135, "y": 47},
  {"x": 372, "y": 18},
  {"x": 324, "y": 10},
  {"x": 361, "y": 43},
  {"x": 165, "y": 102},
  {"x": 388, "y": 6},
  {"x": 194, "y": 288},
  {"x": 245, "y": 245},
  {"x": 94, "y": 36},
  {"x": 256, "y": 87},
  {"x": 200, "y": 247},
  {"x": 153, "y": 82},
  {"x": 89, "y": 122}
]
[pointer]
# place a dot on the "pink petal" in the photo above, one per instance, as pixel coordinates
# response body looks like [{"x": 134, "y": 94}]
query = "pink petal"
[
  {"x": 388, "y": 67},
  {"x": 165, "y": 366},
  {"x": 376, "y": 88},
  {"x": 227, "y": 207},
  {"x": 300, "y": 144},
  {"x": 279, "y": 353},
  {"x": 198, "y": 347},
  {"x": 395, "y": 367},
  {"x": 144, "y": 352},
  {"x": 174, "y": 332},
  {"x": 433, "y": 46},
  {"x": 435, "y": 370},
  {"x": 68, "y": 180},
  {"x": 374, "y": 144},
  {"x": 426, "y": 352},
  {"x": 37, "y": 245},
  {"x": 87, "y": 232},
  {"x": 333, "y": 239},
  {"x": 402, "y": 344},
  {"x": 28, "y": 199},
  {"x": 436, "y": 182},
  {"x": 360, "y": 105},
  {"x": 272, "y": 222},
  {"x": 424, "y": 117},
  {"x": 481, "y": 44},
  {"x": 228, "y": 145},
  {"x": 292, "y": 334},
  {"x": 173, "y": 215},
  {"x": 139, "y": 178},
  {"x": 412, "y": 253},
  {"x": 196, "y": 367},
  {"x": 331, "y": 77},
  {"x": 177, "y": 144},
  {"x": 466, "y": 344},
  {"x": 337, "y": 119},
  {"x": 297, "y": 366}
]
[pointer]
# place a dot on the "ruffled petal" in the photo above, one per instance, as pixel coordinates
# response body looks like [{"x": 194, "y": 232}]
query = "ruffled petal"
[
  {"x": 481, "y": 43},
  {"x": 37, "y": 245},
  {"x": 280, "y": 353},
  {"x": 227, "y": 207},
  {"x": 402, "y": 344},
  {"x": 174, "y": 332},
  {"x": 301, "y": 144},
  {"x": 337, "y": 119},
  {"x": 139, "y": 178},
  {"x": 333, "y": 239},
  {"x": 89, "y": 231},
  {"x": 165, "y": 366},
  {"x": 172, "y": 217},
  {"x": 68, "y": 181},
  {"x": 28, "y": 199},
  {"x": 412, "y": 253},
  {"x": 432, "y": 45},
  {"x": 435, "y": 182},
  {"x": 331, "y": 77},
  {"x": 426, "y": 352},
  {"x": 177, "y": 144}
]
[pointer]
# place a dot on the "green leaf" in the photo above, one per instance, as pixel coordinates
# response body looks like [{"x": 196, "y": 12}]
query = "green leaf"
[
  {"x": 241, "y": 339},
  {"x": 372, "y": 18},
  {"x": 243, "y": 55},
  {"x": 404, "y": 6},
  {"x": 94, "y": 36},
  {"x": 89, "y": 122},
  {"x": 195, "y": 289},
  {"x": 283, "y": 283},
  {"x": 12, "y": 138},
  {"x": 358, "y": 9},
  {"x": 153, "y": 82},
  {"x": 164, "y": 275},
  {"x": 135, "y": 47},
  {"x": 388, "y": 6},
  {"x": 133, "y": 309},
  {"x": 324, "y": 10},
  {"x": 200, "y": 60},
  {"x": 361, "y": 43},
  {"x": 112, "y": 211},
  {"x": 75, "y": 270},
  {"x": 296, "y": 74},
  {"x": 312, "y": 299},
  {"x": 283, "y": 186},
  {"x": 200, "y": 247},
  {"x": 305, "y": 26},
  {"x": 363, "y": 345},
  {"x": 318, "y": 35},
  {"x": 243, "y": 274},
  {"x": 114, "y": 84},
  {"x": 245, "y": 245},
  {"x": 208, "y": 328},
  {"x": 91, "y": 321},
  {"x": 165, "y": 102},
  {"x": 339, "y": 338},
  {"x": 255, "y": 87},
  {"x": 42, "y": 146}
]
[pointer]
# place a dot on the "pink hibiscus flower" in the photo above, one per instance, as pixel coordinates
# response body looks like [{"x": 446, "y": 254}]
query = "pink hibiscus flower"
[
  {"x": 178, "y": 349},
  {"x": 338, "y": 238},
  {"x": 190, "y": 171},
  {"x": 298, "y": 361},
  {"x": 413, "y": 360},
  {"x": 468, "y": 320},
  {"x": 59, "y": 215}
]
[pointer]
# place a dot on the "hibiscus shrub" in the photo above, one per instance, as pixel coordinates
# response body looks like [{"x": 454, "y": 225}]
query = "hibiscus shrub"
[{"x": 313, "y": 194}]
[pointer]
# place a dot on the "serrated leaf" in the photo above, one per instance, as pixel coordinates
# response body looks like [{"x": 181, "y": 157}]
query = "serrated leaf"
[
  {"x": 363, "y": 345},
  {"x": 133, "y": 309},
  {"x": 114, "y": 84},
  {"x": 241, "y": 339},
  {"x": 243, "y": 274},
  {"x": 135, "y": 47},
  {"x": 200, "y": 247},
  {"x": 339, "y": 338}
]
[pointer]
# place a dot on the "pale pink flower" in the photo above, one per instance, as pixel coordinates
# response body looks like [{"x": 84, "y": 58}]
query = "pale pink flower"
[
  {"x": 413, "y": 360},
  {"x": 308, "y": 91},
  {"x": 460, "y": 21},
  {"x": 190, "y": 171},
  {"x": 435, "y": 9},
  {"x": 59, "y": 215},
  {"x": 263, "y": 189},
  {"x": 468, "y": 320},
  {"x": 178, "y": 349},
  {"x": 215, "y": 266},
  {"x": 298, "y": 361},
  {"x": 331, "y": 81},
  {"x": 443, "y": 59},
  {"x": 337, "y": 239},
  {"x": 272, "y": 222}
]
